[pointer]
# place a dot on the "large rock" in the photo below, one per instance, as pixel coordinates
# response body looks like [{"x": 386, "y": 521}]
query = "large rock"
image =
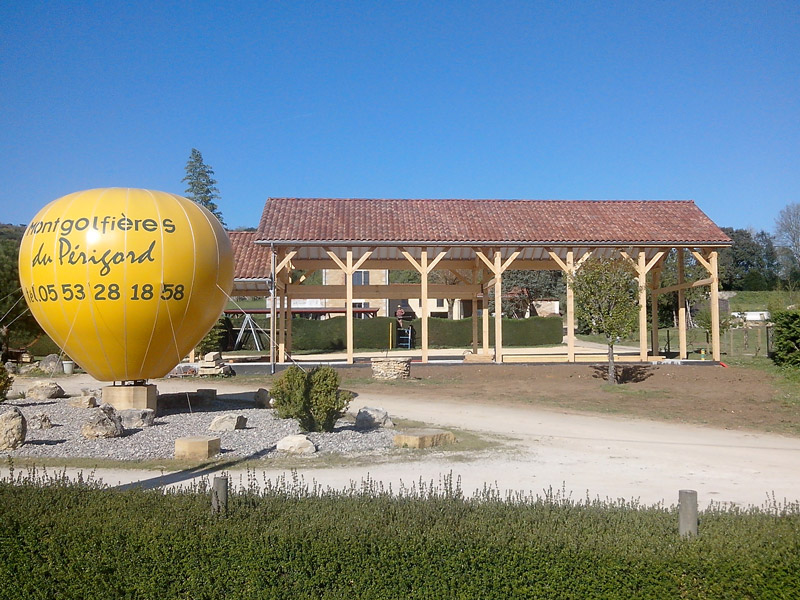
[
  {"x": 137, "y": 418},
  {"x": 105, "y": 422},
  {"x": 12, "y": 429},
  {"x": 12, "y": 367},
  {"x": 40, "y": 421},
  {"x": 83, "y": 402},
  {"x": 44, "y": 390},
  {"x": 296, "y": 444},
  {"x": 228, "y": 422},
  {"x": 262, "y": 398},
  {"x": 371, "y": 418},
  {"x": 52, "y": 364}
]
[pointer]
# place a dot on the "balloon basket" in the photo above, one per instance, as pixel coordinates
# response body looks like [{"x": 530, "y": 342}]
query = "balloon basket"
[{"x": 123, "y": 397}]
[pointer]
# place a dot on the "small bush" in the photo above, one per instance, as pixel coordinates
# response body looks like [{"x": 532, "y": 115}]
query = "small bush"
[
  {"x": 6, "y": 379},
  {"x": 328, "y": 402},
  {"x": 786, "y": 341},
  {"x": 313, "y": 398},
  {"x": 289, "y": 392}
]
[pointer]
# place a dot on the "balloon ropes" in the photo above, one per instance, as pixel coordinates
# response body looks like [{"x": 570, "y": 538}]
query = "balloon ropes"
[{"x": 126, "y": 281}]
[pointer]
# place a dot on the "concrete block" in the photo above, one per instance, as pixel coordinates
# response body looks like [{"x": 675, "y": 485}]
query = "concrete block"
[
  {"x": 423, "y": 438},
  {"x": 197, "y": 448},
  {"x": 124, "y": 397}
]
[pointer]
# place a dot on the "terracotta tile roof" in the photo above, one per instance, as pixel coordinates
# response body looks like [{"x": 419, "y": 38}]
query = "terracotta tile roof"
[
  {"x": 535, "y": 222},
  {"x": 251, "y": 260}
]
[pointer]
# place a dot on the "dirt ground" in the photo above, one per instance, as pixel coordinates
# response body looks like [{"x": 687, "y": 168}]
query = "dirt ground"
[{"x": 729, "y": 398}]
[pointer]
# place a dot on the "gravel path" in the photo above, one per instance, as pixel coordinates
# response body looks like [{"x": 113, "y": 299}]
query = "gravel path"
[{"x": 258, "y": 440}]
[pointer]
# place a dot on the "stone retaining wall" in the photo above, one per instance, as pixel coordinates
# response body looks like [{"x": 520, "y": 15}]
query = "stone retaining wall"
[{"x": 391, "y": 368}]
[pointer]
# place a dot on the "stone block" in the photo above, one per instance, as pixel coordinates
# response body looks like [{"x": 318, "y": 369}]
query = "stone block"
[
  {"x": 469, "y": 357},
  {"x": 124, "y": 397},
  {"x": 207, "y": 394},
  {"x": 423, "y": 438},
  {"x": 83, "y": 402},
  {"x": 228, "y": 422},
  {"x": 197, "y": 448}
]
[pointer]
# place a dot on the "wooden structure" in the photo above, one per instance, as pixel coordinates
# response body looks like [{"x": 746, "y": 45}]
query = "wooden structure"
[{"x": 478, "y": 241}]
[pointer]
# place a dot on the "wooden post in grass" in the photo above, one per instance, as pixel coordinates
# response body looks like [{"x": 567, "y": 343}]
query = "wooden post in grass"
[
  {"x": 219, "y": 496},
  {"x": 687, "y": 513}
]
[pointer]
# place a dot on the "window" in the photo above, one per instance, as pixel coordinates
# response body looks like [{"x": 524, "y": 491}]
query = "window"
[
  {"x": 440, "y": 303},
  {"x": 361, "y": 278}
]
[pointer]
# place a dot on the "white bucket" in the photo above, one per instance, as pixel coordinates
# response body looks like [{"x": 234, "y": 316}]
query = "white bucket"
[{"x": 69, "y": 367}]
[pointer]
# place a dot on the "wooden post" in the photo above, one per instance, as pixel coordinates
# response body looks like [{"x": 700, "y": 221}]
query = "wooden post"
[
  {"x": 715, "y": 346},
  {"x": 654, "y": 311},
  {"x": 475, "y": 314},
  {"x": 485, "y": 321},
  {"x": 282, "y": 330},
  {"x": 219, "y": 496},
  {"x": 642, "y": 270},
  {"x": 687, "y": 513},
  {"x": 498, "y": 308},
  {"x": 424, "y": 303},
  {"x": 570, "y": 307},
  {"x": 681, "y": 308},
  {"x": 289, "y": 324},
  {"x": 348, "y": 275}
]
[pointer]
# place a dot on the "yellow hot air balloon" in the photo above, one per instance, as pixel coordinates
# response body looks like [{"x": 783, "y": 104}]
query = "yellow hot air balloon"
[{"x": 126, "y": 281}]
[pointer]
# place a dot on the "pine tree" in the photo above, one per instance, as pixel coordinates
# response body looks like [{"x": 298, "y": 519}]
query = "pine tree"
[{"x": 201, "y": 184}]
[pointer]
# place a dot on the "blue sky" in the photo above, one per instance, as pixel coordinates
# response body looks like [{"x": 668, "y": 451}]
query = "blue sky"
[{"x": 560, "y": 100}]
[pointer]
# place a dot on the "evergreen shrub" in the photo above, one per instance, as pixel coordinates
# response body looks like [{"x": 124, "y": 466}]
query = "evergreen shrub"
[
  {"x": 313, "y": 398},
  {"x": 786, "y": 340}
]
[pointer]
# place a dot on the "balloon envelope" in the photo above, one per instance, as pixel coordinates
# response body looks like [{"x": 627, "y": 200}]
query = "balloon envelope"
[{"x": 126, "y": 281}]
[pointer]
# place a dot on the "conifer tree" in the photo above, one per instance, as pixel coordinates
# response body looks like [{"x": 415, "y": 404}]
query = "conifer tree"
[{"x": 201, "y": 184}]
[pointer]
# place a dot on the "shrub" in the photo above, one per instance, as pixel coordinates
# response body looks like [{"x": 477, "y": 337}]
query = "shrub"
[
  {"x": 786, "y": 340},
  {"x": 313, "y": 398},
  {"x": 6, "y": 379},
  {"x": 327, "y": 401},
  {"x": 214, "y": 340}
]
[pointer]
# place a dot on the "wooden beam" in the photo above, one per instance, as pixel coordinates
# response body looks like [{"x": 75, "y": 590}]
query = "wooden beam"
[
  {"x": 382, "y": 291},
  {"x": 348, "y": 276},
  {"x": 487, "y": 262},
  {"x": 485, "y": 316},
  {"x": 498, "y": 307},
  {"x": 702, "y": 260},
  {"x": 424, "y": 302},
  {"x": 682, "y": 353},
  {"x": 285, "y": 260},
  {"x": 714, "y": 299},
  {"x": 654, "y": 311},
  {"x": 305, "y": 264},
  {"x": 683, "y": 286},
  {"x": 569, "y": 269},
  {"x": 564, "y": 266},
  {"x": 337, "y": 260},
  {"x": 642, "y": 270}
]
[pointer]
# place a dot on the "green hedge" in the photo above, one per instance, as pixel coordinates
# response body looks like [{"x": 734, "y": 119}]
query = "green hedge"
[
  {"x": 535, "y": 331},
  {"x": 786, "y": 340},
  {"x": 330, "y": 334},
  {"x": 66, "y": 541}
]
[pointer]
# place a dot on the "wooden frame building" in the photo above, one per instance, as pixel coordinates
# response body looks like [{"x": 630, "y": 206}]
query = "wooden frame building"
[{"x": 484, "y": 239}]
